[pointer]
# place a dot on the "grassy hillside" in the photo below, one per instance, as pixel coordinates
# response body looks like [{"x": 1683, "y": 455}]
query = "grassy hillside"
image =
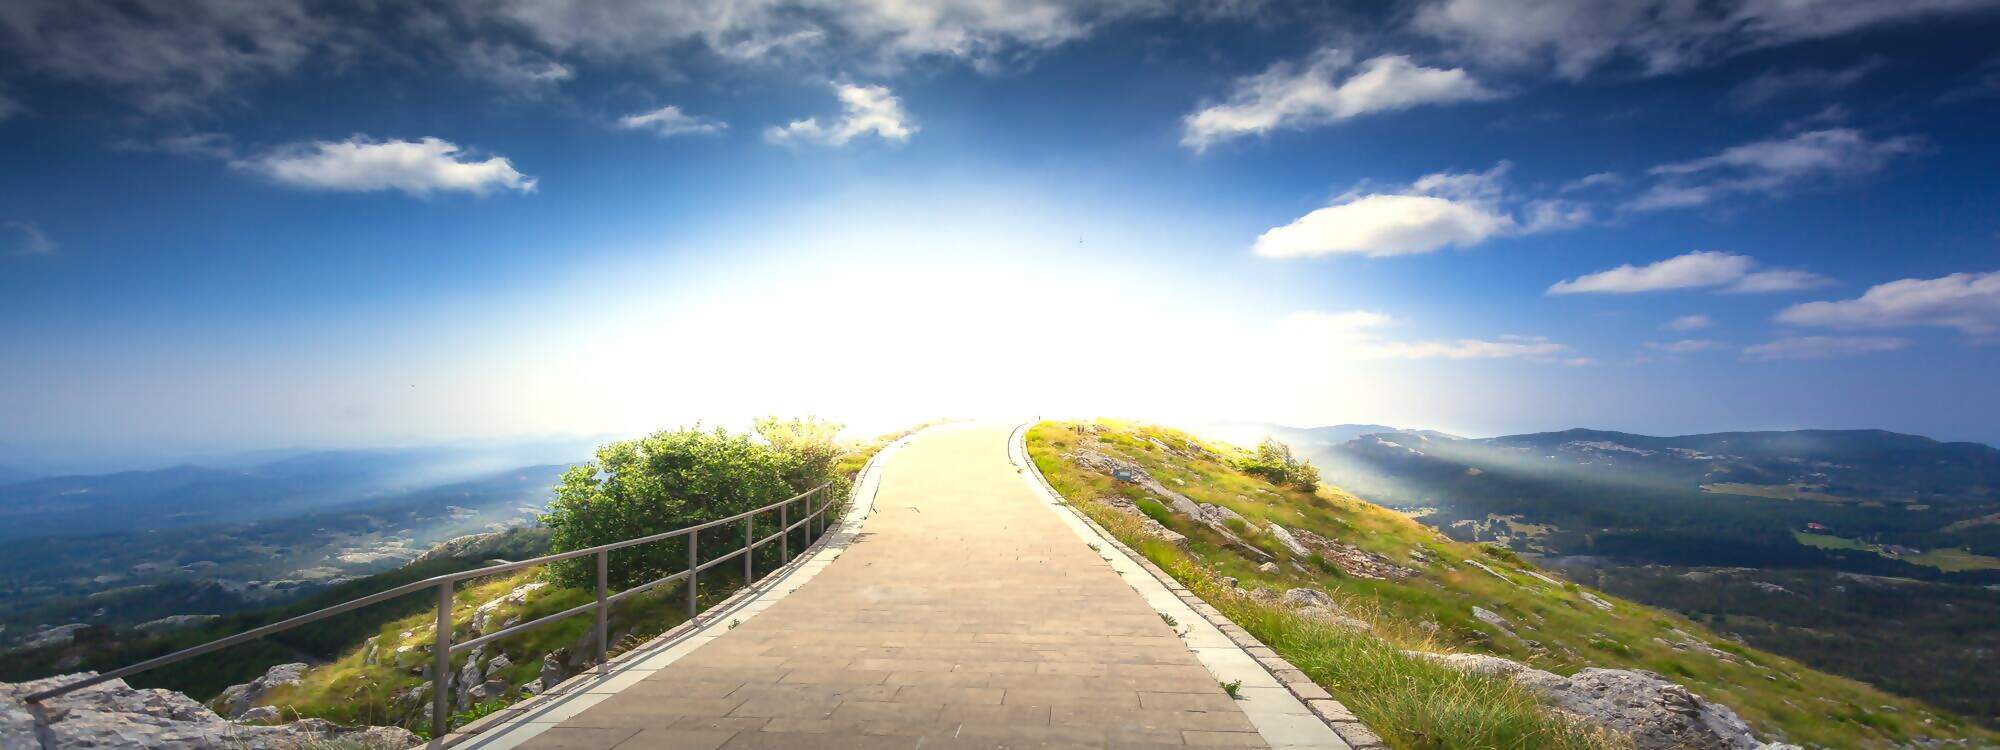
[{"x": 1554, "y": 624}]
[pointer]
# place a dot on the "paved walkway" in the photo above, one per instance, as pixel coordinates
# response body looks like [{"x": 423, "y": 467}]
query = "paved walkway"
[{"x": 965, "y": 615}]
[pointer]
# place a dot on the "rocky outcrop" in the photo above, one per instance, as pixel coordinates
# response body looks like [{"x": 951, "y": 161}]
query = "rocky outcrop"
[
  {"x": 483, "y": 617},
  {"x": 115, "y": 715},
  {"x": 174, "y": 622},
  {"x": 1494, "y": 619},
  {"x": 1147, "y": 525},
  {"x": 238, "y": 699},
  {"x": 1127, "y": 471},
  {"x": 60, "y": 635},
  {"x": 1654, "y": 713},
  {"x": 1351, "y": 560},
  {"x": 1317, "y": 605}
]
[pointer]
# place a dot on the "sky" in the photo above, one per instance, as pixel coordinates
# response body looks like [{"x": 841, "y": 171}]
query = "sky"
[{"x": 230, "y": 225}]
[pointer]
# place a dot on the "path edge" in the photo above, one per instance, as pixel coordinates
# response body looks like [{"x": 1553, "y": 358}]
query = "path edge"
[
  {"x": 515, "y": 724},
  {"x": 1324, "y": 706}
]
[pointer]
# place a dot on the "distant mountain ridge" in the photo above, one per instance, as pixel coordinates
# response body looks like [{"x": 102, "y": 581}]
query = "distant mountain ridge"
[{"x": 290, "y": 483}]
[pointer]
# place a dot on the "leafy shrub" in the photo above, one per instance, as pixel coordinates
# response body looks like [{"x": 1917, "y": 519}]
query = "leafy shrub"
[
  {"x": 678, "y": 478},
  {"x": 1274, "y": 462}
]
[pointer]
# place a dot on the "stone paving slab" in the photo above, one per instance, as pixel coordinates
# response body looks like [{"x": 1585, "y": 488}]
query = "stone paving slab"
[{"x": 965, "y": 614}]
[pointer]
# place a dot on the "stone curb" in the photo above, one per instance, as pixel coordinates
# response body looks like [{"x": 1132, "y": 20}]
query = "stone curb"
[
  {"x": 1329, "y": 710},
  {"x": 857, "y": 510}
]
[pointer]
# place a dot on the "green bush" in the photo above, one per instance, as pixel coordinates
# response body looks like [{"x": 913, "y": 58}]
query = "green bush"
[
  {"x": 1274, "y": 462},
  {"x": 678, "y": 478}
]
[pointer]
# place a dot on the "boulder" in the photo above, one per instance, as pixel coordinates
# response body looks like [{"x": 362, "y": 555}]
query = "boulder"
[
  {"x": 1147, "y": 525},
  {"x": 1291, "y": 542},
  {"x": 114, "y": 714},
  {"x": 238, "y": 699},
  {"x": 1300, "y": 598},
  {"x": 1268, "y": 568},
  {"x": 482, "y": 618},
  {"x": 260, "y": 715},
  {"x": 554, "y": 671},
  {"x": 1654, "y": 713},
  {"x": 1494, "y": 619},
  {"x": 1220, "y": 515}
]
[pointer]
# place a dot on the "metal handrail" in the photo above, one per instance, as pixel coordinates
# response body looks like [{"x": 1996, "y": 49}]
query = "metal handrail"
[{"x": 442, "y": 648}]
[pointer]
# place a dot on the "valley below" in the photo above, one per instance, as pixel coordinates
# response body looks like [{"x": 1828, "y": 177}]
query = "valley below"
[{"x": 1868, "y": 554}]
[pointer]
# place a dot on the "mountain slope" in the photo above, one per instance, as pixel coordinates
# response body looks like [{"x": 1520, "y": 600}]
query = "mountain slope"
[{"x": 1529, "y": 615}]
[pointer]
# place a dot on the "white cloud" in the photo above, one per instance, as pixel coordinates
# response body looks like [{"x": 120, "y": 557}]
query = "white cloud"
[
  {"x": 33, "y": 240},
  {"x": 1292, "y": 95},
  {"x": 1777, "y": 280},
  {"x": 876, "y": 32},
  {"x": 1356, "y": 334},
  {"x": 361, "y": 164},
  {"x": 1591, "y": 181},
  {"x": 1578, "y": 37},
  {"x": 524, "y": 73},
  {"x": 1771, "y": 167},
  {"x": 164, "y": 57},
  {"x": 1696, "y": 269},
  {"x": 1693, "y": 322},
  {"x": 1382, "y": 225},
  {"x": 671, "y": 121},
  {"x": 1684, "y": 346},
  {"x": 1969, "y": 302},
  {"x": 1704, "y": 269},
  {"x": 864, "y": 110},
  {"x": 1773, "y": 85},
  {"x": 1822, "y": 347},
  {"x": 1446, "y": 209}
]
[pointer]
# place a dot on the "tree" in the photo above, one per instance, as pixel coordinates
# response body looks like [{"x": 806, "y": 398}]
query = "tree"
[{"x": 1274, "y": 462}]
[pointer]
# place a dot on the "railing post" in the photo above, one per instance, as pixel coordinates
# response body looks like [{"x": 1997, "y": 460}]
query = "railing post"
[
  {"x": 694, "y": 574},
  {"x": 749, "y": 548},
  {"x": 441, "y": 668},
  {"x": 603, "y": 607},
  {"x": 784, "y": 534}
]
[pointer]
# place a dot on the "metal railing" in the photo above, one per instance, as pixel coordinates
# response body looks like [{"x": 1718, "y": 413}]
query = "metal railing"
[{"x": 442, "y": 647}]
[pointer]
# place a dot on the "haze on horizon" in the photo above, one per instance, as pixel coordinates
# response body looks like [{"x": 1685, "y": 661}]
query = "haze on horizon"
[{"x": 287, "y": 224}]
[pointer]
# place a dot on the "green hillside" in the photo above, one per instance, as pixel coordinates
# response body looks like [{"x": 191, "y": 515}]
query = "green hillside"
[{"x": 1551, "y": 624}]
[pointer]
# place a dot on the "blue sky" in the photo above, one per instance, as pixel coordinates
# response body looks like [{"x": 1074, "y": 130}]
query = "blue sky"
[{"x": 285, "y": 223}]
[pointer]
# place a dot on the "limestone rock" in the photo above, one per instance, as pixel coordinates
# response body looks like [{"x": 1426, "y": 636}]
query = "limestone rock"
[
  {"x": 60, "y": 635},
  {"x": 482, "y": 618},
  {"x": 114, "y": 714},
  {"x": 1654, "y": 713},
  {"x": 1268, "y": 568},
  {"x": 1217, "y": 514},
  {"x": 553, "y": 669},
  {"x": 238, "y": 699},
  {"x": 1299, "y": 598},
  {"x": 1291, "y": 542},
  {"x": 1147, "y": 525},
  {"x": 1351, "y": 560},
  {"x": 259, "y": 715},
  {"x": 1494, "y": 619},
  {"x": 174, "y": 622}
]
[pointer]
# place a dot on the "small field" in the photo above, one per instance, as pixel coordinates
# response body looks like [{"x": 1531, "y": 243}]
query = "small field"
[{"x": 1949, "y": 560}]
